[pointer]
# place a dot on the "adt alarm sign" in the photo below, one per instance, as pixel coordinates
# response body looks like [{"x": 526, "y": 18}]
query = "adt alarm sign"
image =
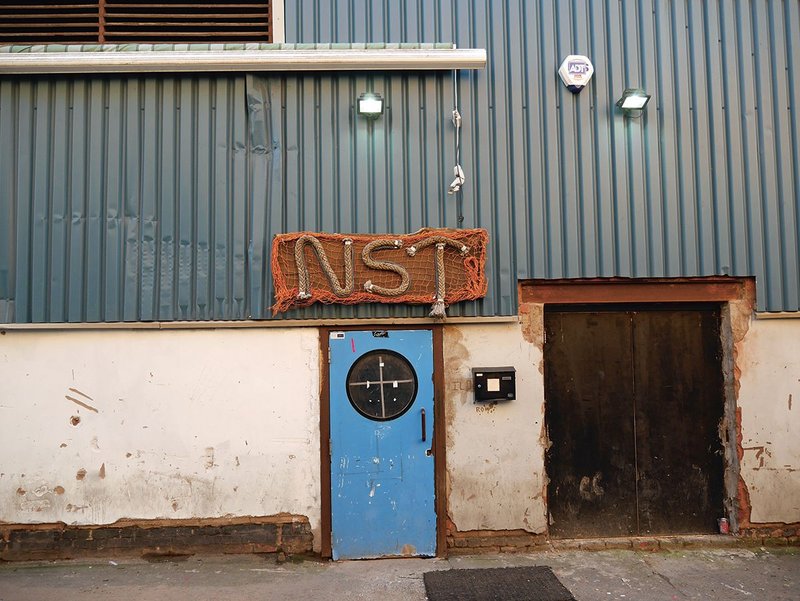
[{"x": 575, "y": 72}]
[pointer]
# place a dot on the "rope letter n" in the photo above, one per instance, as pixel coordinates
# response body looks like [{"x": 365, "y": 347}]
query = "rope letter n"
[{"x": 303, "y": 280}]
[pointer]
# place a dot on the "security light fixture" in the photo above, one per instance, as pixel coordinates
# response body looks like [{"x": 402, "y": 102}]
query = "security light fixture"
[
  {"x": 370, "y": 105},
  {"x": 633, "y": 101}
]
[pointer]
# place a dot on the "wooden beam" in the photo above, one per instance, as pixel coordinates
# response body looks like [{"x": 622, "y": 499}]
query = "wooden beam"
[{"x": 628, "y": 290}]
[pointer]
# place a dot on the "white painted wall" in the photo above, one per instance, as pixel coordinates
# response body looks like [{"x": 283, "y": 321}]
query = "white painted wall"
[
  {"x": 769, "y": 400},
  {"x": 188, "y": 423},
  {"x": 210, "y": 423},
  {"x": 495, "y": 453}
]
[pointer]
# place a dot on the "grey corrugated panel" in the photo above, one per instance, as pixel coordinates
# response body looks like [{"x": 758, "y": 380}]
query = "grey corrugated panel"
[
  {"x": 706, "y": 182},
  {"x": 123, "y": 199},
  {"x": 8, "y": 174},
  {"x": 316, "y": 166},
  {"x": 156, "y": 198}
]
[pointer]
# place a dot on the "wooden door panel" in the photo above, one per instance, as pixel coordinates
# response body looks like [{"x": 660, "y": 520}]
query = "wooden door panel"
[
  {"x": 678, "y": 389},
  {"x": 591, "y": 458},
  {"x": 633, "y": 405}
]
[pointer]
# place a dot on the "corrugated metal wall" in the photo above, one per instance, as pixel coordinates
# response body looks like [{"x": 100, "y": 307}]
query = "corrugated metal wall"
[
  {"x": 123, "y": 199},
  {"x": 326, "y": 169},
  {"x": 141, "y": 199},
  {"x": 706, "y": 182},
  {"x": 144, "y": 199},
  {"x": 155, "y": 198}
]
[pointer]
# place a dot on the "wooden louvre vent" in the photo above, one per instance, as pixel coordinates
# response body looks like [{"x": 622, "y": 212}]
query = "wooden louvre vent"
[{"x": 134, "y": 21}]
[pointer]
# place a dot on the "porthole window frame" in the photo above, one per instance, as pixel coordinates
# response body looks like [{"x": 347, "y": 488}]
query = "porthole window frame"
[{"x": 409, "y": 404}]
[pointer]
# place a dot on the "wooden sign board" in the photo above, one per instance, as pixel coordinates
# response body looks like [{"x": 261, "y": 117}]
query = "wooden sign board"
[{"x": 431, "y": 266}]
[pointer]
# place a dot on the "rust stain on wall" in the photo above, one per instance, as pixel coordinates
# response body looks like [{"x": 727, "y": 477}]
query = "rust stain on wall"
[
  {"x": 102, "y": 472},
  {"x": 81, "y": 403},
  {"x": 408, "y": 550},
  {"x": 762, "y": 453},
  {"x": 59, "y": 490},
  {"x": 544, "y": 437},
  {"x": 83, "y": 394},
  {"x": 75, "y": 420},
  {"x": 741, "y": 314},
  {"x": 456, "y": 354},
  {"x": 743, "y": 495},
  {"x": 745, "y": 508},
  {"x": 81, "y": 474},
  {"x": 532, "y": 325},
  {"x": 532, "y": 319}
]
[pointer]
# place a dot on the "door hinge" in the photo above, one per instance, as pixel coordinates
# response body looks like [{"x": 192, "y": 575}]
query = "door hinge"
[{"x": 329, "y": 355}]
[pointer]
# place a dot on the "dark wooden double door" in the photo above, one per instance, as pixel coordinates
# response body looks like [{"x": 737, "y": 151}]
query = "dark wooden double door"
[{"x": 633, "y": 408}]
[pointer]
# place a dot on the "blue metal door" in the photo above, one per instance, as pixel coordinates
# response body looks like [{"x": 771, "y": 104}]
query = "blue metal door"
[{"x": 381, "y": 411}]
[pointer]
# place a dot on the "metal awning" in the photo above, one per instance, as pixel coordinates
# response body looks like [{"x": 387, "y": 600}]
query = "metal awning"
[{"x": 153, "y": 58}]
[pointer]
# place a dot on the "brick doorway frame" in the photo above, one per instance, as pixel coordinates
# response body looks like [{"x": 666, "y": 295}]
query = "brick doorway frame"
[{"x": 737, "y": 298}]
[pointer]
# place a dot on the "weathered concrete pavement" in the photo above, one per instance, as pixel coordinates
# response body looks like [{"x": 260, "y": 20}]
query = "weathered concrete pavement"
[{"x": 770, "y": 574}]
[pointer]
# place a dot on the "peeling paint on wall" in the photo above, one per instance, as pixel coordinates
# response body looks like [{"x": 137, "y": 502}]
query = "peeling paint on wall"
[
  {"x": 532, "y": 320},
  {"x": 768, "y": 357},
  {"x": 160, "y": 424},
  {"x": 495, "y": 463}
]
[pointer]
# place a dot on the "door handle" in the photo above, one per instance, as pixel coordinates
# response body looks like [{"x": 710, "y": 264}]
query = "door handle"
[{"x": 422, "y": 416}]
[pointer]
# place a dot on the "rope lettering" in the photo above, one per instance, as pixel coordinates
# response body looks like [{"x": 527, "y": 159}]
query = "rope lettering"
[
  {"x": 438, "y": 309},
  {"x": 405, "y": 280},
  {"x": 304, "y": 287},
  {"x": 368, "y": 268}
]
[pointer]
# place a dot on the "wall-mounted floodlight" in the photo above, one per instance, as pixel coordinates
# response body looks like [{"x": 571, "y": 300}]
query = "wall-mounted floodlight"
[
  {"x": 370, "y": 105},
  {"x": 633, "y": 101}
]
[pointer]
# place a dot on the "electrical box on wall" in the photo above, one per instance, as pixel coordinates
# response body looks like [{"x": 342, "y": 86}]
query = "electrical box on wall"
[{"x": 494, "y": 384}]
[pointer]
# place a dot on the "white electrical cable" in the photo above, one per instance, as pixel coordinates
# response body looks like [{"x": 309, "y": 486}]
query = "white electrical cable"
[{"x": 458, "y": 172}]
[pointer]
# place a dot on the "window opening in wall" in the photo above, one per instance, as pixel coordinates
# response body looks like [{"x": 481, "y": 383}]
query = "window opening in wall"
[
  {"x": 381, "y": 385},
  {"x": 135, "y": 21}
]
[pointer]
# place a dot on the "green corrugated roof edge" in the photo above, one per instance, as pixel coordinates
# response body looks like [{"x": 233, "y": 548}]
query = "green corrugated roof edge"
[{"x": 23, "y": 48}]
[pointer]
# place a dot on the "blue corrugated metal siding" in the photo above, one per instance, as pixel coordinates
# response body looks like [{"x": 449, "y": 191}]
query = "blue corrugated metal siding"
[
  {"x": 156, "y": 198},
  {"x": 322, "y": 168},
  {"x": 123, "y": 199},
  {"x": 144, "y": 199},
  {"x": 706, "y": 182}
]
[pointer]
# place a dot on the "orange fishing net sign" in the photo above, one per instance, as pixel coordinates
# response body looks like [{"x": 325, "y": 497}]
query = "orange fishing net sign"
[{"x": 431, "y": 266}]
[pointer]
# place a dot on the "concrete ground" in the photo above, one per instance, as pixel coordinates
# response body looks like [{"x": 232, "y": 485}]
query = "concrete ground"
[{"x": 771, "y": 574}]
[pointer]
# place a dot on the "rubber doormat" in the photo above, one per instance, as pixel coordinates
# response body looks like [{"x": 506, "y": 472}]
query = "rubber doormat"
[{"x": 535, "y": 583}]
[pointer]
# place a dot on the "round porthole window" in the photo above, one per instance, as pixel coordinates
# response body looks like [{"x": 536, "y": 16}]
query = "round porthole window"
[{"x": 381, "y": 385}]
